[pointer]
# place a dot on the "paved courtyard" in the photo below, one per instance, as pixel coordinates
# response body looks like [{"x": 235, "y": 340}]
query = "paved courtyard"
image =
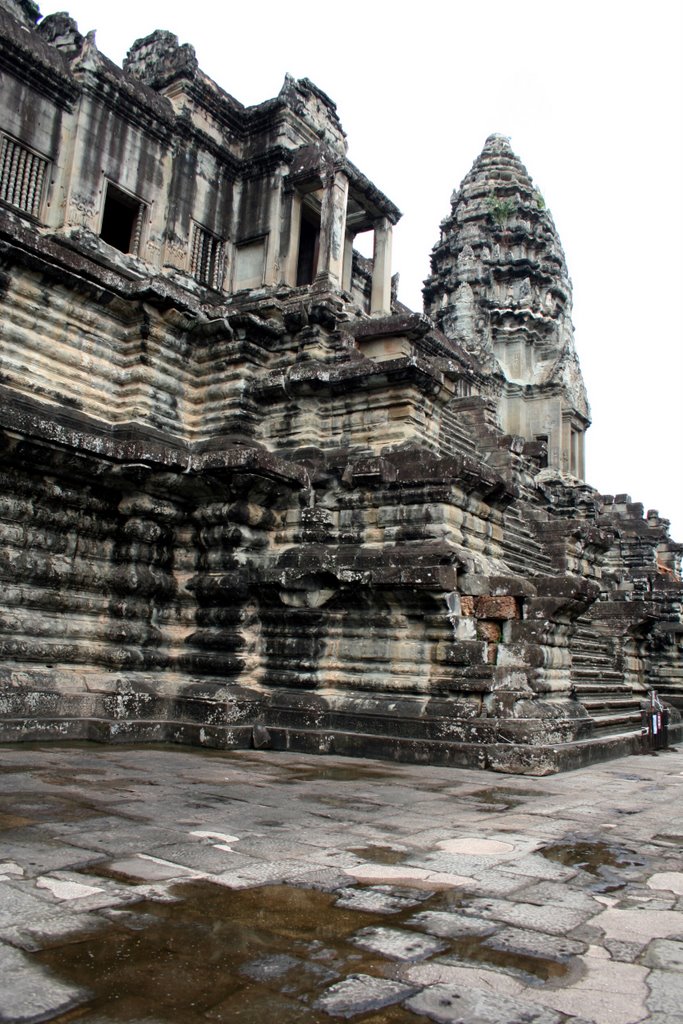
[{"x": 172, "y": 885}]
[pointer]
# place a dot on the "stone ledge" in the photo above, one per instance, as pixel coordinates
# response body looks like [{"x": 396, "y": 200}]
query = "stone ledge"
[{"x": 308, "y": 724}]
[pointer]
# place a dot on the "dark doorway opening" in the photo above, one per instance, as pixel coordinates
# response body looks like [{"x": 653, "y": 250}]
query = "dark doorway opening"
[{"x": 309, "y": 246}]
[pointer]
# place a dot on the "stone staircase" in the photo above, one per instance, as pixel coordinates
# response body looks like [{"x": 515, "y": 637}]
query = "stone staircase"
[
  {"x": 456, "y": 436},
  {"x": 522, "y": 550},
  {"x": 600, "y": 687}
]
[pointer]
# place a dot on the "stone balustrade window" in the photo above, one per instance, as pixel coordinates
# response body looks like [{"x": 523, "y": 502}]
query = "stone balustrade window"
[
  {"x": 22, "y": 176},
  {"x": 207, "y": 258}
]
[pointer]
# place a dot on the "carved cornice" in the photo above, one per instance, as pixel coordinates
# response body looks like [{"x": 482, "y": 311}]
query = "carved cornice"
[{"x": 26, "y": 57}]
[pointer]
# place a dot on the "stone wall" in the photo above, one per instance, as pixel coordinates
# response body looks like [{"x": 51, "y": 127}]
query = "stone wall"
[{"x": 261, "y": 515}]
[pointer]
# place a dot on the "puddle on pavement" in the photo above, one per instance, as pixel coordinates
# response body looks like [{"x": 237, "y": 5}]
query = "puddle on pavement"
[
  {"x": 120, "y": 783},
  {"x": 381, "y": 854},
  {"x": 605, "y": 861},
  {"x": 30, "y": 808},
  {"x": 331, "y": 773},
  {"x": 664, "y": 837},
  {"x": 283, "y": 771},
  {"x": 473, "y": 951},
  {"x": 353, "y": 800},
  {"x": 534, "y": 970},
  {"x": 217, "y": 954},
  {"x": 14, "y": 821},
  {"x": 502, "y": 797}
]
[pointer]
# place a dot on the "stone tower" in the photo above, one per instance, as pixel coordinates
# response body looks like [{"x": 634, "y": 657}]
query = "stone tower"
[{"x": 499, "y": 286}]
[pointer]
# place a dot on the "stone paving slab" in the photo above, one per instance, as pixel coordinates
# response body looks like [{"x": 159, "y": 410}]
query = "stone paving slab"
[
  {"x": 268, "y": 967},
  {"x": 529, "y": 943},
  {"x": 451, "y": 925},
  {"x": 361, "y": 993},
  {"x": 607, "y": 993},
  {"x": 39, "y": 856},
  {"x": 667, "y": 880},
  {"x": 17, "y": 904},
  {"x": 437, "y": 972},
  {"x": 52, "y": 931},
  {"x": 28, "y": 995},
  {"x": 534, "y": 865},
  {"x": 558, "y": 895},
  {"x": 468, "y": 887},
  {"x": 666, "y": 954},
  {"x": 375, "y": 900},
  {"x": 209, "y": 858},
  {"x": 397, "y": 944},
  {"x": 639, "y": 925},
  {"x": 666, "y": 993},
  {"x": 548, "y": 919},
  {"x": 407, "y": 875},
  {"x": 453, "y": 1004},
  {"x": 146, "y": 868}
]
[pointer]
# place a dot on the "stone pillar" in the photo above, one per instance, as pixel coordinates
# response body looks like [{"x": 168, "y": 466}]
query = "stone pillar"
[
  {"x": 332, "y": 231},
  {"x": 291, "y": 259},
  {"x": 566, "y": 446},
  {"x": 380, "y": 301},
  {"x": 272, "y": 269},
  {"x": 348, "y": 262}
]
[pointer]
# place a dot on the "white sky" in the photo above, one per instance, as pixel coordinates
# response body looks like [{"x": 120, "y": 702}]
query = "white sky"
[{"x": 591, "y": 95}]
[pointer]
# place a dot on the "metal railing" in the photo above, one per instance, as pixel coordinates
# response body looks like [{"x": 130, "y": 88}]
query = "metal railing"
[{"x": 655, "y": 724}]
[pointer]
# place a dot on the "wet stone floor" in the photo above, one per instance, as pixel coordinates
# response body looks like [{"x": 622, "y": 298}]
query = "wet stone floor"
[{"x": 158, "y": 885}]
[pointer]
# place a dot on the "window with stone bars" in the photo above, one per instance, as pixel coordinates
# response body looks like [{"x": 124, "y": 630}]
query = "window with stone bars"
[
  {"x": 22, "y": 175},
  {"x": 206, "y": 260}
]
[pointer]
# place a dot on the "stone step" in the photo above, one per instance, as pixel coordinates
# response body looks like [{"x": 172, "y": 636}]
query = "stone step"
[
  {"x": 591, "y": 660},
  {"x": 592, "y": 704},
  {"x": 595, "y": 689},
  {"x": 595, "y": 672},
  {"x": 610, "y": 724}
]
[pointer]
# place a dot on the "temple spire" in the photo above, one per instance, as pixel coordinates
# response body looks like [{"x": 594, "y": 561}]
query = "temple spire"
[{"x": 499, "y": 286}]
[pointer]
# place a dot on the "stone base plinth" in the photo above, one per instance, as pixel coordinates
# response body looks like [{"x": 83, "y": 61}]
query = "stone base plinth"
[{"x": 410, "y": 729}]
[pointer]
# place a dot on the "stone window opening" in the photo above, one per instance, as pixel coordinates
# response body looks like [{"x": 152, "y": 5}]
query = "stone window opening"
[
  {"x": 309, "y": 246},
  {"x": 207, "y": 258},
  {"x": 543, "y": 456},
  {"x": 122, "y": 220},
  {"x": 22, "y": 176}
]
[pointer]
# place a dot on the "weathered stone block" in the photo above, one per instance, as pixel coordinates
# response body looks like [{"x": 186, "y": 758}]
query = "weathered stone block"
[
  {"x": 500, "y": 608},
  {"x": 489, "y": 631}
]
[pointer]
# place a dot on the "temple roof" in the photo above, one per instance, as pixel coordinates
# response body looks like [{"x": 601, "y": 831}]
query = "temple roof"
[{"x": 499, "y": 275}]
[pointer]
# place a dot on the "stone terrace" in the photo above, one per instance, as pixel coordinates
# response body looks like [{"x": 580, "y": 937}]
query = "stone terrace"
[{"x": 157, "y": 885}]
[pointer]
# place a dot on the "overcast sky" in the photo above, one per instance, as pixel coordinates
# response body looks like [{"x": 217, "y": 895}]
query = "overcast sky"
[{"x": 591, "y": 96}]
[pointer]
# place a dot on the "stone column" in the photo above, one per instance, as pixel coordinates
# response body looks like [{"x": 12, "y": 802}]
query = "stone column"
[
  {"x": 290, "y": 258},
  {"x": 566, "y": 445},
  {"x": 348, "y": 262},
  {"x": 272, "y": 270},
  {"x": 380, "y": 301},
  {"x": 581, "y": 473},
  {"x": 332, "y": 231}
]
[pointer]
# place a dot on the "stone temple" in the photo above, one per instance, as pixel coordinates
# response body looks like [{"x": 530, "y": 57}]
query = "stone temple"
[{"x": 248, "y": 497}]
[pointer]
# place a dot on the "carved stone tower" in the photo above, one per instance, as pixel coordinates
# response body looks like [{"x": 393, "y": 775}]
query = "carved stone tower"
[{"x": 499, "y": 286}]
